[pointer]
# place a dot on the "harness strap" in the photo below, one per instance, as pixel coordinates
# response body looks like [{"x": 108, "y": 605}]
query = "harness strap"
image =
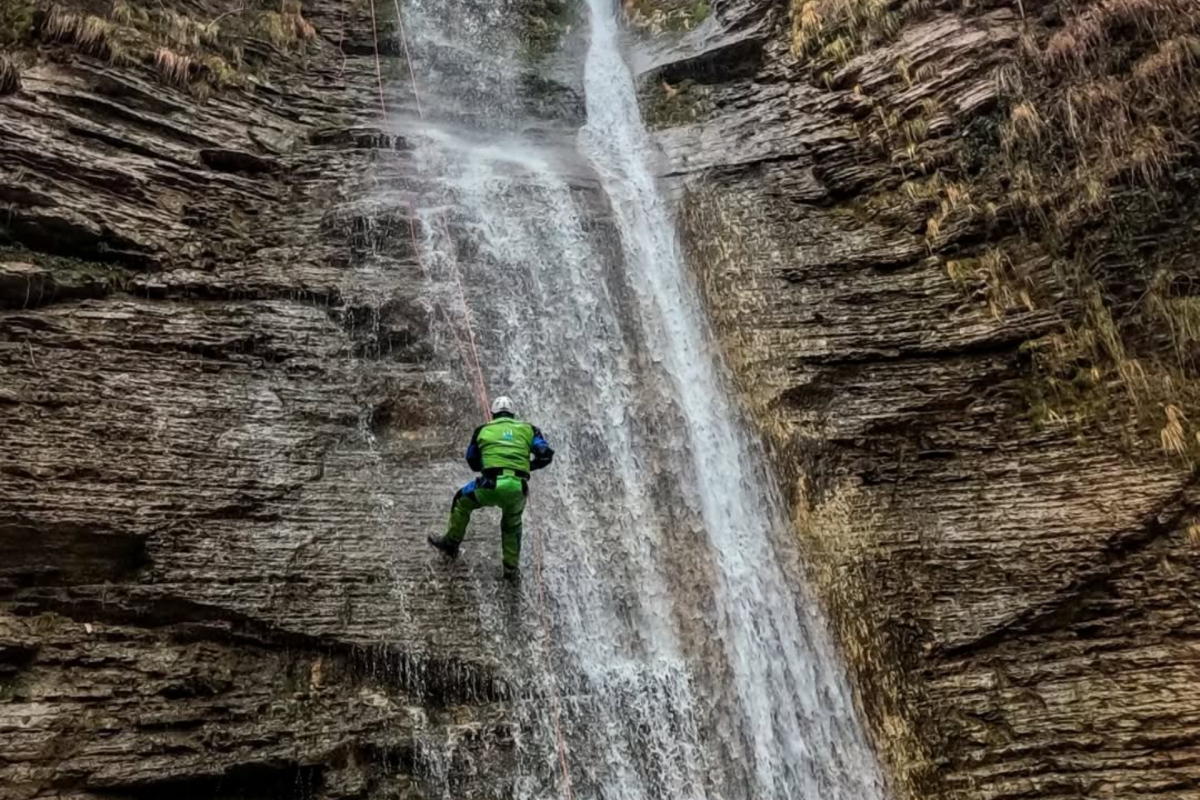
[{"x": 498, "y": 472}]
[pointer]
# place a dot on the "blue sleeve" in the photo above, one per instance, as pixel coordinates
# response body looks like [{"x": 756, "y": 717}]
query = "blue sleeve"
[
  {"x": 474, "y": 457},
  {"x": 543, "y": 453}
]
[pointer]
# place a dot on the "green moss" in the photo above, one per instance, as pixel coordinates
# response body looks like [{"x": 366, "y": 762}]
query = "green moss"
[
  {"x": 198, "y": 54},
  {"x": 828, "y": 32},
  {"x": 659, "y": 16},
  {"x": 12, "y": 687},
  {"x": 666, "y": 106},
  {"x": 1088, "y": 377},
  {"x": 16, "y": 22},
  {"x": 68, "y": 270},
  {"x": 964, "y": 272},
  {"x": 545, "y": 25},
  {"x": 688, "y": 18}
]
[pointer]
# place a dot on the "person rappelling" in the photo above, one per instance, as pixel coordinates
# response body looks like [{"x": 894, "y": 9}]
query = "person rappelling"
[{"x": 503, "y": 452}]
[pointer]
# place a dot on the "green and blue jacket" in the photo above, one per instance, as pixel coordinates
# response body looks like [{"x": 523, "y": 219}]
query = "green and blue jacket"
[{"x": 507, "y": 443}]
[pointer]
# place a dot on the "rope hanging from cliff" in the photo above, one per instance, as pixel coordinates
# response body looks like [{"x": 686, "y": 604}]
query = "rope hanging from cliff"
[
  {"x": 472, "y": 365},
  {"x": 480, "y": 389}
]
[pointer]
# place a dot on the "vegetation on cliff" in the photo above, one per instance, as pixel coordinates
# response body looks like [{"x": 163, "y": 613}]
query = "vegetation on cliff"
[
  {"x": 665, "y": 16},
  {"x": 199, "y": 53},
  {"x": 1046, "y": 198},
  {"x": 951, "y": 252}
]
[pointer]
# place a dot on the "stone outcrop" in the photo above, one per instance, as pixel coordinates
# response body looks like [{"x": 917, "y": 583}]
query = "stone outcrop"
[
  {"x": 977, "y": 385},
  {"x": 963, "y": 318},
  {"x": 217, "y": 390}
]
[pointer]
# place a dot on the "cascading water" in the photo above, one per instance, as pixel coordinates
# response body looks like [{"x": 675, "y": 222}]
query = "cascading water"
[{"x": 684, "y": 664}]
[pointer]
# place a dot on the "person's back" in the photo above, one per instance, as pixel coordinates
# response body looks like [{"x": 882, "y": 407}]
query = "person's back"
[
  {"x": 504, "y": 451},
  {"x": 506, "y": 443}
]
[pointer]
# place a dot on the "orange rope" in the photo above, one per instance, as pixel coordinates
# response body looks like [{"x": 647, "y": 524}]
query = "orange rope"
[
  {"x": 477, "y": 374},
  {"x": 387, "y": 125},
  {"x": 342, "y": 39},
  {"x": 478, "y": 382},
  {"x": 546, "y": 654},
  {"x": 408, "y": 58},
  {"x": 544, "y": 614},
  {"x": 466, "y": 312},
  {"x": 480, "y": 389}
]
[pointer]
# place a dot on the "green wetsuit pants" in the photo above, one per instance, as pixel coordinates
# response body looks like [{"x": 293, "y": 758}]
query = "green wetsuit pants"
[{"x": 504, "y": 492}]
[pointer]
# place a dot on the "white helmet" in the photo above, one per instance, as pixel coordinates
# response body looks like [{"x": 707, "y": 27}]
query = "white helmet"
[{"x": 502, "y": 405}]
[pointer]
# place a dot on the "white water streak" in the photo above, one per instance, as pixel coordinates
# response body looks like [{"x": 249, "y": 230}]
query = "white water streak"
[
  {"x": 599, "y": 354},
  {"x": 795, "y": 705}
]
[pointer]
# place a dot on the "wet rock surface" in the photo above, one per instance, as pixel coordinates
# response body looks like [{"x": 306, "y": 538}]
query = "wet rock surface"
[
  {"x": 1010, "y": 582},
  {"x": 223, "y": 412},
  {"x": 222, "y": 421}
]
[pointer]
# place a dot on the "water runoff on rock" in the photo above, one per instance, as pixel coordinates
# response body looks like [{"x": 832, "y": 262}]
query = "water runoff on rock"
[{"x": 684, "y": 664}]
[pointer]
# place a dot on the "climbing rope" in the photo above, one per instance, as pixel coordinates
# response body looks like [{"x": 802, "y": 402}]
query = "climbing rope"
[
  {"x": 480, "y": 389},
  {"x": 473, "y": 368}
]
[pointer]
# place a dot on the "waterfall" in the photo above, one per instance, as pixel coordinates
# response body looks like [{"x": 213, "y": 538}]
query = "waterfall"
[{"x": 686, "y": 665}]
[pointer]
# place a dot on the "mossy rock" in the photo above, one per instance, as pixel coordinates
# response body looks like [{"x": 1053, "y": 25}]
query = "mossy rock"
[
  {"x": 16, "y": 22},
  {"x": 29, "y": 278}
]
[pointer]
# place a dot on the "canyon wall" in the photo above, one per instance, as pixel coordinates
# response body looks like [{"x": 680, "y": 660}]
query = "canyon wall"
[
  {"x": 225, "y": 429},
  {"x": 950, "y": 249}
]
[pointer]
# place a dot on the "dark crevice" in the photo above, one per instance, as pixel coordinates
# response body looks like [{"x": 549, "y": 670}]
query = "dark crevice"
[
  {"x": 240, "y": 161},
  {"x": 397, "y": 329},
  {"x": 38, "y": 554},
  {"x": 359, "y": 138},
  {"x": 1007, "y": 341},
  {"x": 436, "y": 682},
  {"x": 51, "y": 234},
  {"x": 37, "y": 288},
  {"x": 321, "y": 298},
  {"x": 738, "y": 60},
  {"x": 268, "y": 780},
  {"x": 122, "y": 144},
  {"x": 15, "y": 658},
  {"x": 1070, "y": 603},
  {"x": 117, "y": 112}
]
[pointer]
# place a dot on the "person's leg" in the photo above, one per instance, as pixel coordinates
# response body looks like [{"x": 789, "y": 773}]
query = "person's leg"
[
  {"x": 511, "y": 493},
  {"x": 465, "y": 503}
]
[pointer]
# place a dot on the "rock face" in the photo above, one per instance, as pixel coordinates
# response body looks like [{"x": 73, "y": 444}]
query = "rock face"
[
  {"x": 958, "y": 308},
  {"x": 950, "y": 252},
  {"x": 215, "y": 397}
]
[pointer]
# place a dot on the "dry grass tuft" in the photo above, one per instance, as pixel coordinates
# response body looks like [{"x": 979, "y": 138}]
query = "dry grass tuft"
[
  {"x": 1089, "y": 37},
  {"x": 1117, "y": 103},
  {"x": 124, "y": 13},
  {"x": 187, "y": 32},
  {"x": 1025, "y": 121},
  {"x": 302, "y": 30},
  {"x": 1097, "y": 134},
  {"x": 1170, "y": 62},
  {"x": 834, "y": 30},
  {"x": 10, "y": 77},
  {"x": 1172, "y": 434},
  {"x": 284, "y": 30},
  {"x": 1093, "y": 146},
  {"x": 184, "y": 51},
  {"x": 651, "y": 15},
  {"x": 173, "y": 68},
  {"x": 90, "y": 34}
]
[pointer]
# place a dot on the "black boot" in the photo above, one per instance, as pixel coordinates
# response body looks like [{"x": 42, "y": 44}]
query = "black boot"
[
  {"x": 512, "y": 574},
  {"x": 445, "y": 545}
]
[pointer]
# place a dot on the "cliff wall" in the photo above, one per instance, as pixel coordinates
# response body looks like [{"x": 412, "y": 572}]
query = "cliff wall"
[
  {"x": 950, "y": 250},
  {"x": 222, "y": 418}
]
